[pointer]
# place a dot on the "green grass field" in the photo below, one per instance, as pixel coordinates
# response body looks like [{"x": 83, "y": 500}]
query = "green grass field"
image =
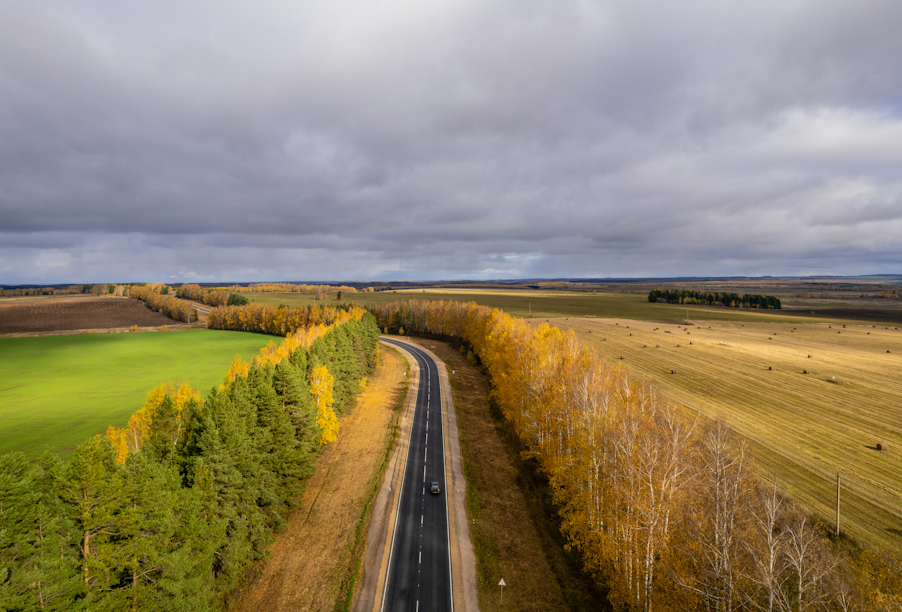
[
  {"x": 56, "y": 391},
  {"x": 803, "y": 428}
]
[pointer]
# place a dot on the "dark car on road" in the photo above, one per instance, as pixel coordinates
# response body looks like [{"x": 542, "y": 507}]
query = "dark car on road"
[{"x": 435, "y": 488}]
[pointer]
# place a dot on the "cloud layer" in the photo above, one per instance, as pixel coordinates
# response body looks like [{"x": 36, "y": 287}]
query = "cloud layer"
[{"x": 437, "y": 139}]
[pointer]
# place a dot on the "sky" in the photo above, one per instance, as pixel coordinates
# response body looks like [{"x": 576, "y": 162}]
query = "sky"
[{"x": 467, "y": 139}]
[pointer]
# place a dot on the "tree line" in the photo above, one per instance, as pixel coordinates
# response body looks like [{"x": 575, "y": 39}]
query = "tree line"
[
  {"x": 95, "y": 289},
  {"x": 299, "y": 288},
  {"x": 711, "y": 298},
  {"x": 668, "y": 512},
  {"x": 274, "y": 320},
  {"x": 167, "y": 513},
  {"x": 164, "y": 303}
]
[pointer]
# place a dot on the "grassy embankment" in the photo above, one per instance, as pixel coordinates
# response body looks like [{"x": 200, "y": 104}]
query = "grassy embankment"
[
  {"x": 59, "y": 390},
  {"x": 512, "y": 523}
]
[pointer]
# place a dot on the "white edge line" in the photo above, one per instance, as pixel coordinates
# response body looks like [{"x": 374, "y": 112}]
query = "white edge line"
[
  {"x": 444, "y": 471},
  {"x": 391, "y": 551}
]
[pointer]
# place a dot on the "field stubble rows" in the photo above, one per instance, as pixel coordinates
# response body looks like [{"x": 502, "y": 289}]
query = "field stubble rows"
[{"x": 803, "y": 428}]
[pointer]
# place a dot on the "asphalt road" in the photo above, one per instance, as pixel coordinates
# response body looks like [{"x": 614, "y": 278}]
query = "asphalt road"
[{"x": 419, "y": 569}]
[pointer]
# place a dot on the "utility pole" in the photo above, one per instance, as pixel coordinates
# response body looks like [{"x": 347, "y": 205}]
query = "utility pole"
[{"x": 837, "y": 503}]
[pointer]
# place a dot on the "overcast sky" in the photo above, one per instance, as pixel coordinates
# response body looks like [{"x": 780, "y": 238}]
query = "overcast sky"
[{"x": 217, "y": 140}]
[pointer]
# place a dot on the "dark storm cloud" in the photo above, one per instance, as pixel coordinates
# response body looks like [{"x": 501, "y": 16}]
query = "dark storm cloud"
[{"x": 448, "y": 139}]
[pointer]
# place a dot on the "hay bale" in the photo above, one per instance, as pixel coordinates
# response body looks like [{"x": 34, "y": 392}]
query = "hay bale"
[
  {"x": 769, "y": 368},
  {"x": 880, "y": 447},
  {"x": 809, "y": 356},
  {"x": 690, "y": 344},
  {"x": 671, "y": 371},
  {"x": 804, "y": 371}
]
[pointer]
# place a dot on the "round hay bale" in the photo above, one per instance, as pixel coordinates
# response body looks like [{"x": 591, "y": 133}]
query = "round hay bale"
[
  {"x": 769, "y": 368},
  {"x": 809, "y": 356},
  {"x": 690, "y": 344},
  {"x": 678, "y": 346},
  {"x": 804, "y": 371},
  {"x": 879, "y": 447},
  {"x": 671, "y": 371},
  {"x": 887, "y": 351}
]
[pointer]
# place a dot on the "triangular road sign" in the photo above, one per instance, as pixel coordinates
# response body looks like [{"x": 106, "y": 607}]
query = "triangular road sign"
[{"x": 502, "y": 583}]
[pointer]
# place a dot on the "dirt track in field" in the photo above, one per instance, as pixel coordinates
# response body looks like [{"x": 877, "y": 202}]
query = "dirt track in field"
[
  {"x": 69, "y": 313},
  {"x": 310, "y": 557}
]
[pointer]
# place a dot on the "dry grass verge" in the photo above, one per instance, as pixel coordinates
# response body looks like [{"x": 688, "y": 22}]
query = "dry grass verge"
[
  {"x": 315, "y": 563},
  {"x": 513, "y": 523}
]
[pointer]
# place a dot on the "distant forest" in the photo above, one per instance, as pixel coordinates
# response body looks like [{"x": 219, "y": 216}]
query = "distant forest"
[{"x": 711, "y": 298}]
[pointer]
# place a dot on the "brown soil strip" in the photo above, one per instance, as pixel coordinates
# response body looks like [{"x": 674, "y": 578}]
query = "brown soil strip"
[
  {"x": 38, "y": 316},
  {"x": 311, "y": 559}
]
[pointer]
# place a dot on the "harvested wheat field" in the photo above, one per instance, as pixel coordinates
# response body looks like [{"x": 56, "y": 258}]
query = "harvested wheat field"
[
  {"x": 313, "y": 559},
  {"x": 35, "y": 315},
  {"x": 804, "y": 427}
]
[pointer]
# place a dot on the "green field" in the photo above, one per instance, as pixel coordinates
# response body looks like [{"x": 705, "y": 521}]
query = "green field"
[{"x": 56, "y": 391}]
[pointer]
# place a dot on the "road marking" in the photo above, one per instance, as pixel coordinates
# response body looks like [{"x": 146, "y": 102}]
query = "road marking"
[
  {"x": 424, "y": 473},
  {"x": 421, "y": 557},
  {"x": 421, "y": 519}
]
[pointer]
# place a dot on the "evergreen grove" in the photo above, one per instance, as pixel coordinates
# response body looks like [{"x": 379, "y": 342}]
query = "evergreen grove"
[
  {"x": 168, "y": 513},
  {"x": 710, "y": 298}
]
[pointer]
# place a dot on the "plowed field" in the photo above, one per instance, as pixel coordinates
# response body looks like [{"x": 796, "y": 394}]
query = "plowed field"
[{"x": 40, "y": 314}]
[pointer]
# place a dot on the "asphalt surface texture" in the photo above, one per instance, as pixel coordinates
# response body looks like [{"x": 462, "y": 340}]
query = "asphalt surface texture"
[{"x": 419, "y": 569}]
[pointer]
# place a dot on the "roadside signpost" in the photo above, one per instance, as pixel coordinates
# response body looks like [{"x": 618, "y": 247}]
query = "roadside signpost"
[{"x": 502, "y": 585}]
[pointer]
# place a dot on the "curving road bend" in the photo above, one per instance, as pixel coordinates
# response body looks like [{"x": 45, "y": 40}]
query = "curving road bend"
[{"x": 419, "y": 568}]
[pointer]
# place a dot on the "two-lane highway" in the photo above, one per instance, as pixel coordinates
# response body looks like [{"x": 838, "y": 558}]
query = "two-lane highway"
[{"x": 419, "y": 568}]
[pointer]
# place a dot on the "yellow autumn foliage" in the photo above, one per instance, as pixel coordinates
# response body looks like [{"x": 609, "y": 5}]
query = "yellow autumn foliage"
[
  {"x": 321, "y": 383},
  {"x": 133, "y": 436}
]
